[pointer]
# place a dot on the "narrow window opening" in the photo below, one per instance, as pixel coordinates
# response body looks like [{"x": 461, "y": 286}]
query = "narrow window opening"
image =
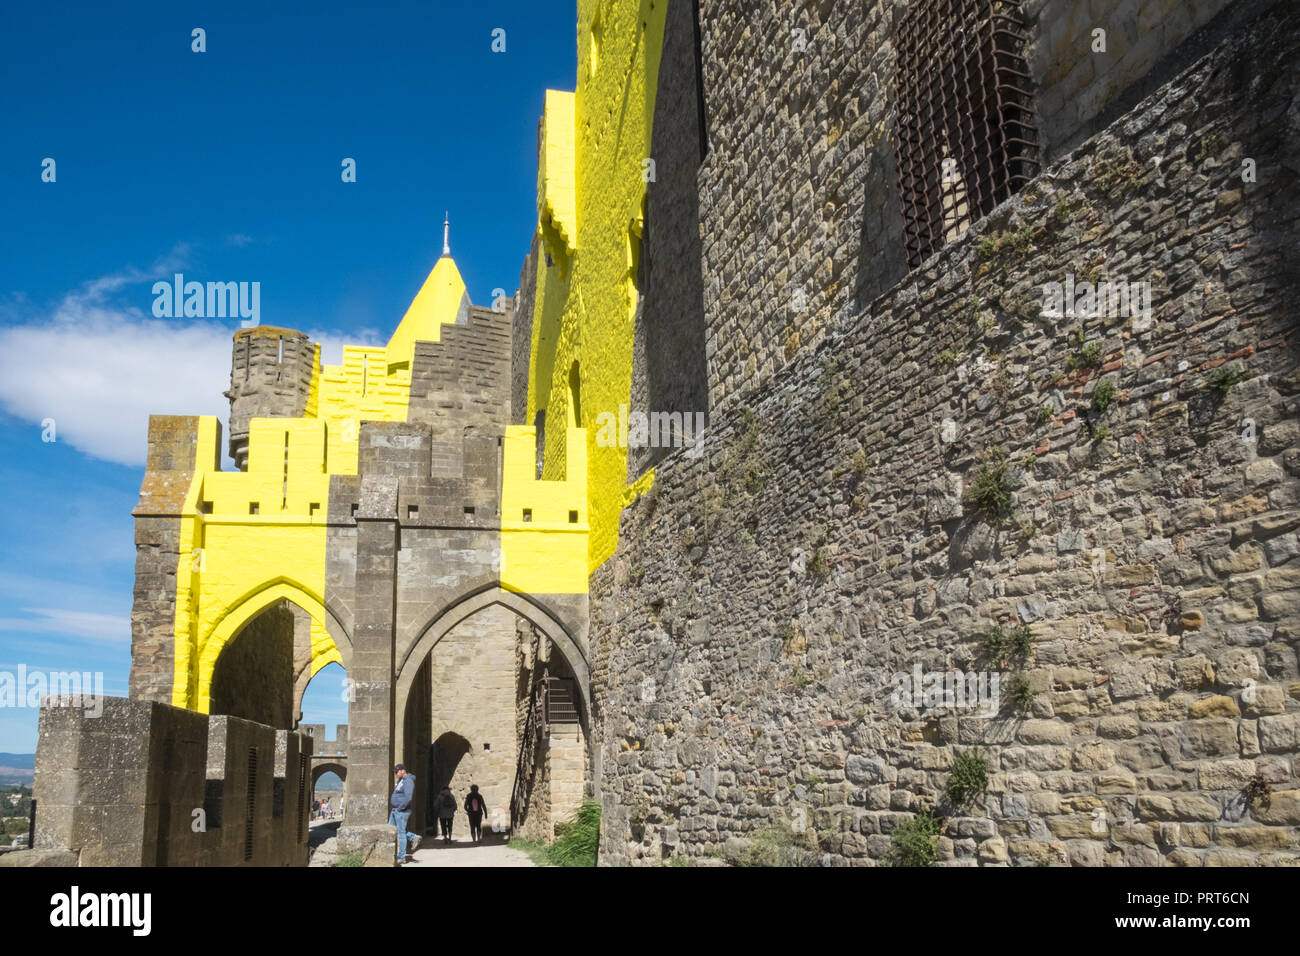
[
  {"x": 252, "y": 802},
  {"x": 539, "y": 428},
  {"x": 528, "y": 514}
]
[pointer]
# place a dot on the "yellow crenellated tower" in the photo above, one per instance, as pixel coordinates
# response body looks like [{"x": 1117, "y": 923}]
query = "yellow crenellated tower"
[
  {"x": 251, "y": 538},
  {"x": 591, "y": 187}
]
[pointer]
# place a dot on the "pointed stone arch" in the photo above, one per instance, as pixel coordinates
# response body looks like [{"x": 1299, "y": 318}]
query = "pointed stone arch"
[{"x": 244, "y": 610}]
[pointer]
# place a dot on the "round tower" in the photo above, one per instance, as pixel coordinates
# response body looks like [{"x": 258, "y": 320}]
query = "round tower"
[{"x": 270, "y": 377}]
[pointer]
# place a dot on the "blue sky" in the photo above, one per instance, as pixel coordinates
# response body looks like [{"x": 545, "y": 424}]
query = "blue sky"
[{"x": 224, "y": 165}]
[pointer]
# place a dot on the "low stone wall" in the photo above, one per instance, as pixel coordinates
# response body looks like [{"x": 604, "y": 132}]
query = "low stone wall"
[
  {"x": 147, "y": 784},
  {"x": 770, "y": 602}
]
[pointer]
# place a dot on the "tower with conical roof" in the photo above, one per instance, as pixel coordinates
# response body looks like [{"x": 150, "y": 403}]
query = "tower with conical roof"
[{"x": 442, "y": 300}]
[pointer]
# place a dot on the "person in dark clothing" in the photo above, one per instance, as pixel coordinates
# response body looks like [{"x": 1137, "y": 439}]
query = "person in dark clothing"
[
  {"x": 446, "y": 811},
  {"x": 475, "y": 807}
]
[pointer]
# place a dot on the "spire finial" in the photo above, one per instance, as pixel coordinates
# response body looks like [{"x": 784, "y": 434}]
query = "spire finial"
[{"x": 446, "y": 234}]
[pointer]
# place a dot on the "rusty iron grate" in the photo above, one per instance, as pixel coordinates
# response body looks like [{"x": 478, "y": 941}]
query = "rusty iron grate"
[{"x": 966, "y": 135}]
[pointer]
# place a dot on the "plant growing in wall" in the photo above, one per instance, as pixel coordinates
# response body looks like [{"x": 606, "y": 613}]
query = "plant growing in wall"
[
  {"x": 860, "y": 464},
  {"x": 1222, "y": 379},
  {"x": 1007, "y": 644},
  {"x": 818, "y": 566},
  {"x": 989, "y": 495},
  {"x": 1020, "y": 693},
  {"x": 1085, "y": 354},
  {"x": 913, "y": 842},
  {"x": 637, "y": 816},
  {"x": 1103, "y": 395},
  {"x": 970, "y": 775}
]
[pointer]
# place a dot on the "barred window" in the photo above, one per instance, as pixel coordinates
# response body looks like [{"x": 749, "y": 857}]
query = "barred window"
[{"x": 965, "y": 136}]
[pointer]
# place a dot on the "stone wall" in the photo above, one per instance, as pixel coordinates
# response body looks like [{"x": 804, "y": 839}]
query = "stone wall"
[
  {"x": 146, "y": 784},
  {"x": 749, "y": 632},
  {"x": 799, "y": 195},
  {"x": 1075, "y": 82},
  {"x": 521, "y": 334},
  {"x": 169, "y": 469},
  {"x": 799, "y": 211},
  {"x": 460, "y": 386}
]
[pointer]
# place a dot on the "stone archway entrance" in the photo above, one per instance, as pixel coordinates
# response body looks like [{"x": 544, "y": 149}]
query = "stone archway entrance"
[
  {"x": 450, "y": 765},
  {"x": 469, "y": 693}
]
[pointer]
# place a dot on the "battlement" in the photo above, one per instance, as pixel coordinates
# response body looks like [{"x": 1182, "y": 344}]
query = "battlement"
[
  {"x": 123, "y": 788},
  {"x": 557, "y": 203},
  {"x": 287, "y": 474},
  {"x": 543, "y": 523},
  {"x": 460, "y": 386},
  {"x": 323, "y": 747}
]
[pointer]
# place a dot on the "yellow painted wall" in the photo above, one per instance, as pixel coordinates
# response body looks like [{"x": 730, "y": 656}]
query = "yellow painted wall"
[
  {"x": 543, "y": 523},
  {"x": 234, "y": 563},
  {"x": 249, "y": 539},
  {"x": 585, "y": 300}
]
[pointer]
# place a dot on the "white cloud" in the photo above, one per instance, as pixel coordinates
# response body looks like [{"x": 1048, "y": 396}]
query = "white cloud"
[
  {"x": 100, "y": 371},
  {"x": 88, "y": 625}
]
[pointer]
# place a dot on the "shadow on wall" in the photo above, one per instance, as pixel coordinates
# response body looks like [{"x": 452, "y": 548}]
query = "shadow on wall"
[
  {"x": 445, "y": 756},
  {"x": 669, "y": 370}
]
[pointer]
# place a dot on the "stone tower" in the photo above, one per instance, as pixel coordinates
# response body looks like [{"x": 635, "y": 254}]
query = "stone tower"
[{"x": 271, "y": 372}]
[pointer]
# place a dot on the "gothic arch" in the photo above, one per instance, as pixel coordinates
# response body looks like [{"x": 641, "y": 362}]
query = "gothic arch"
[
  {"x": 319, "y": 770},
  {"x": 443, "y": 622},
  {"x": 245, "y": 609}
]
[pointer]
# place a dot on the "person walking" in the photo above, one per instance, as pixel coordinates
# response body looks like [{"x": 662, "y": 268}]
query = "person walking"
[
  {"x": 400, "y": 808},
  {"x": 475, "y": 807},
  {"x": 446, "y": 811}
]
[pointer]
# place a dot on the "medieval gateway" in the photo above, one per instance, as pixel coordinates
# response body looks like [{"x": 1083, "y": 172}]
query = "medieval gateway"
[{"x": 834, "y": 231}]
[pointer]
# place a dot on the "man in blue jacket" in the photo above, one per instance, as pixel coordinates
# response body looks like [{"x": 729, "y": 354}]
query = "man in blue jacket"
[{"x": 400, "y": 802}]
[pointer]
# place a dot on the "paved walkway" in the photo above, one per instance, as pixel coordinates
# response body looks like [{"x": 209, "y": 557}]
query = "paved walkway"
[{"x": 493, "y": 851}]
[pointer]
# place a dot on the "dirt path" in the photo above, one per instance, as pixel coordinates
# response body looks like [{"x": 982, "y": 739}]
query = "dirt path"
[{"x": 493, "y": 851}]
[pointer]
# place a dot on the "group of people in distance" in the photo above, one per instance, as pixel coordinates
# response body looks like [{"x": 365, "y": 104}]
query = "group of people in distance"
[
  {"x": 324, "y": 810},
  {"x": 444, "y": 807}
]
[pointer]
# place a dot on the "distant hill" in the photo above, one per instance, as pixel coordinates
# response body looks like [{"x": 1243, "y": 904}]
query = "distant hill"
[
  {"x": 329, "y": 782},
  {"x": 17, "y": 768}
]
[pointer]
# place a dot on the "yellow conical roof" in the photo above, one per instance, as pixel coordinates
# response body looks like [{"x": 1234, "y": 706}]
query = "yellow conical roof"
[{"x": 440, "y": 301}]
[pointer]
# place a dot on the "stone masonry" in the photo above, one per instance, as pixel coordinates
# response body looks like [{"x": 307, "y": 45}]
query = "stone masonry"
[{"x": 830, "y": 538}]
